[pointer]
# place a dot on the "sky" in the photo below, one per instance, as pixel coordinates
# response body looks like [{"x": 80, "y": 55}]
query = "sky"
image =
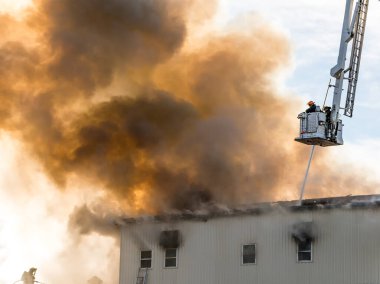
[{"x": 313, "y": 30}]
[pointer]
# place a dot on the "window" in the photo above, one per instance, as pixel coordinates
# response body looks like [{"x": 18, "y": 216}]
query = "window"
[
  {"x": 304, "y": 251},
  {"x": 249, "y": 254},
  {"x": 146, "y": 259},
  {"x": 171, "y": 257}
]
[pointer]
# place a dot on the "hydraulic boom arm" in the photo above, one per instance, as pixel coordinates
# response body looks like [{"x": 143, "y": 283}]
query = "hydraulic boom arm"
[
  {"x": 325, "y": 127},
  {"x": 353, "y": 28}
]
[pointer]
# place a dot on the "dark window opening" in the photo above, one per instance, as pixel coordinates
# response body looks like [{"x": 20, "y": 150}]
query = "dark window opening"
[
  {"x": 170, "y": 239},
  {"x": 146, "y": 259},
  {"x": 171, "y": 257},
  {"x": 304, "y": 251},
  {"x": 249, "y": 254}
]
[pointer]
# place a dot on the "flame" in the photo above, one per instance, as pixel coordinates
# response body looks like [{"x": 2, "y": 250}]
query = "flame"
[
  {"x": 118, "y": 112},
  {"x": 141, "y": 199}
]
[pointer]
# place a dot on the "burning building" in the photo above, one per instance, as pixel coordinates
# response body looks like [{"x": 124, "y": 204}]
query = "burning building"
[
  {"x": 141, "y": 107},
  {"x": 328, "y": 240}
]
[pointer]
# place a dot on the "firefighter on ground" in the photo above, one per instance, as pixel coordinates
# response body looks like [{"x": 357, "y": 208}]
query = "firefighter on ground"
[
  {"x": 28, "y": 277},
  {"x": 312, "y": 107}
]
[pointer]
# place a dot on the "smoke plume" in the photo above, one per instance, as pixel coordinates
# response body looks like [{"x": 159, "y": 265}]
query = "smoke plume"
[
  {"x": 118, "y": 94},
  {"x": 123, "y": 97}
]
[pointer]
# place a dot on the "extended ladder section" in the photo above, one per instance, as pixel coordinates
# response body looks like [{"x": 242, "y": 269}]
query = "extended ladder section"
[
  {"x": 356, "y": 52},
  {"x": 325, "y": 127},
  {"x": 142, "y": 276}
]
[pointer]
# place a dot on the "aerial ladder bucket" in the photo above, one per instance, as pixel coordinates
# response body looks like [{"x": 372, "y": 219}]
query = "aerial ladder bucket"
[{"x": 324, "y": 127}]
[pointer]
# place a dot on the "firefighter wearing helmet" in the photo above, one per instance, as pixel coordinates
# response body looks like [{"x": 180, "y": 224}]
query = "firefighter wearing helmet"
[
  {"x": 28, "y": 277},
  {"x": 312, "y": 107}
]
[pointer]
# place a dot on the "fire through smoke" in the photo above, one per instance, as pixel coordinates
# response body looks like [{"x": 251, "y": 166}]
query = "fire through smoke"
[
  {"x": 109, "y": 92},
  {"x": 121, "y": 95},
  {"x": 113, "y": 93}
]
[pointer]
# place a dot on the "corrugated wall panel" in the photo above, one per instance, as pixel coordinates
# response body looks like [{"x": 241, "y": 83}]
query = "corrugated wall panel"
[{"x": 346, "y": 249}]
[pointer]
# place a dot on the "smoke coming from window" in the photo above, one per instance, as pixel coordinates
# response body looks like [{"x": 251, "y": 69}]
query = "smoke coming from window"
[
  {"x": 113, "y": 92},
  {"x": 123, "y": 96}
]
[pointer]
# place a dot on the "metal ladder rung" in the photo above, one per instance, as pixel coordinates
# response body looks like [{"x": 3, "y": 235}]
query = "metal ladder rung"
[
  {"x": 354, "y": 66},
  {"x": 142, "y": 276}
]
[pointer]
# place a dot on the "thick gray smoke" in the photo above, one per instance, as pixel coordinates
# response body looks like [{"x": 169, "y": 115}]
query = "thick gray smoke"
[{"x": 106, "y": 91}]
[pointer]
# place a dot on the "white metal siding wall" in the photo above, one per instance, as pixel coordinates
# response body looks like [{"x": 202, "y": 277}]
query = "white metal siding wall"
[{"x": 346, "y": 250}]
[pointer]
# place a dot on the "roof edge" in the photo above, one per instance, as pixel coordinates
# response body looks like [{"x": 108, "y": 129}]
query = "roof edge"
[{"x": 211, "y": 211}]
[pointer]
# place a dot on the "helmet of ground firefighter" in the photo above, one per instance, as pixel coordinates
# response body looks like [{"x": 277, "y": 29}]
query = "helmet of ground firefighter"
[{"x": 310, "y": 103}]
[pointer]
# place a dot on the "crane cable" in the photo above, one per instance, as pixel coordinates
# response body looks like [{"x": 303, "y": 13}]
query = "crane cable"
[{"x": 327, "y": 92}]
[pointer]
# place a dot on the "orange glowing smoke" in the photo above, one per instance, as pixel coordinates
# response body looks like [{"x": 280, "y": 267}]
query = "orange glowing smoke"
[
  {"x": 105, "y": 93},
  {"x": 113, "y": 93},
  {"x": 121, "y": 97}
]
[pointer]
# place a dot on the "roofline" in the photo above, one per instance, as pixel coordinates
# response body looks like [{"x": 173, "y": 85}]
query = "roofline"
[{"x": 217, "y": 211}]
